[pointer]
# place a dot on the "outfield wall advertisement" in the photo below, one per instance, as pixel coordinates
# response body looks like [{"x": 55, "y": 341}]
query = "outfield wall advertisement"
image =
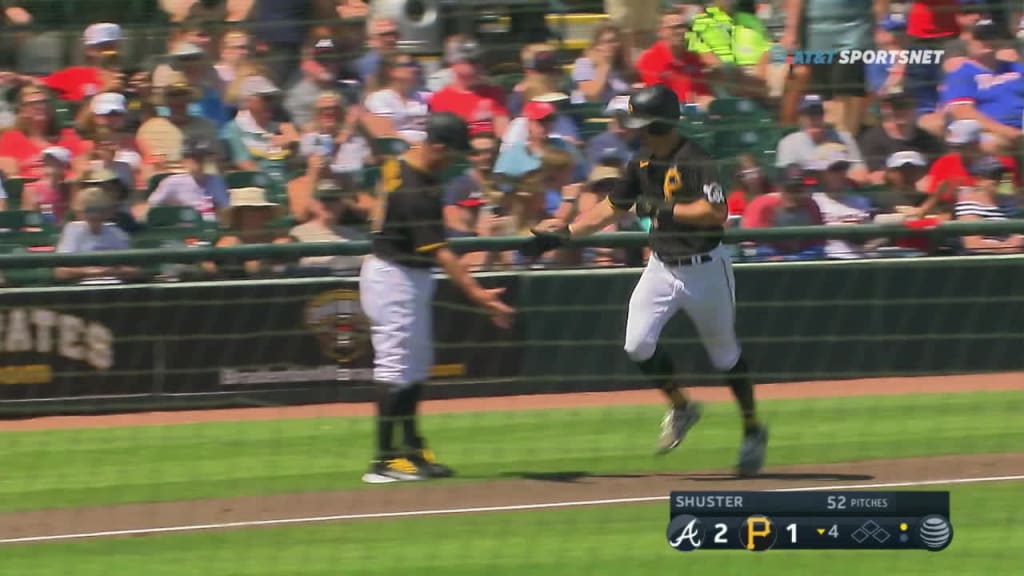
[{"x": 307, "y": 340}]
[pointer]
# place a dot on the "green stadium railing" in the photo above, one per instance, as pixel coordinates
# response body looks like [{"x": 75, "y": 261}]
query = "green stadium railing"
[{"x": 615, "y": 240}]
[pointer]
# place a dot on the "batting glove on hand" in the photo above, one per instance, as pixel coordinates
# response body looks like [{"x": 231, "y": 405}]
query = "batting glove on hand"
[
  {"x": 544, "y": 241},
  {"x": 652, "y": 208}
]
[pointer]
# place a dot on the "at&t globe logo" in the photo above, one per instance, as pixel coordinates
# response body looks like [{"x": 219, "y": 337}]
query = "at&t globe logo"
[{"x": 685, "y": 533}]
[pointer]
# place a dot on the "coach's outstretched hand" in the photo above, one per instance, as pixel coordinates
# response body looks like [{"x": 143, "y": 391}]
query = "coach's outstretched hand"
[
  {"x": 500, "y": 313},
  {"x": 547, "y": 236}
]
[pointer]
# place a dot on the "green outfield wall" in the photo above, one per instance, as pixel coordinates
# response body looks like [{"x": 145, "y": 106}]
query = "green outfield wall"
[{"x": 111, "y": 348}]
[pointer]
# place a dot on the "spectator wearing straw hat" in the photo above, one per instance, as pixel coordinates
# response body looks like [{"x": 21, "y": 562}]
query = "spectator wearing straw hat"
[
  {"x": 102, "y": 72},
  {"x": 257, "y": 141},
  {"x": 326, "y": 227},
  {"x": 92, "y": 231},
  {"x": 248, "y": 217},
  {"x": 122, "y": 195}
]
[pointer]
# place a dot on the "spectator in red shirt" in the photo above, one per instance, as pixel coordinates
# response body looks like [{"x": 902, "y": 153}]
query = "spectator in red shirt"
[
  {"x": 36, "y": 129},
  {"x": 949, "y": 176},
  {"x": 932, "y": 19},
  {"x": 668, "y": 62},
  {"x": 102, "y": 70},
  {"x": 792, "y": 206},
  {"x": 482, "y": 106},
  {"x": 752, "y": 184}
]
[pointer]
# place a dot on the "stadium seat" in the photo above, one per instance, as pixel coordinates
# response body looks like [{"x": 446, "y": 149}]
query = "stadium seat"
[
  {"x": 26, "y": 228},
  {"x": 15, "y": 188}
]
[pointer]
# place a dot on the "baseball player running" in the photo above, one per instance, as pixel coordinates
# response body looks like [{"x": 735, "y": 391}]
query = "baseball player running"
[
  {"x": 396, "y": 288},
  {"x": 673, "y": 181}
]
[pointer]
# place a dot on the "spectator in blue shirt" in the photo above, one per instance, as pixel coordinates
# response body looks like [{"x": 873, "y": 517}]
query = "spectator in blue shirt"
[
  {"x": 987, "y": 89},
  {"x": 383, "y": 41},
  {"x": 890, "y": 35}
]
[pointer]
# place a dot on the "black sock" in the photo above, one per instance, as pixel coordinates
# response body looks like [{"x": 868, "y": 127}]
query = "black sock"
[
  {"x": 410, "y": 408},
  {"x": 387, "y": 400},
  {"x": 661, "y": 370},
  {"x": 743, "y": 390}
]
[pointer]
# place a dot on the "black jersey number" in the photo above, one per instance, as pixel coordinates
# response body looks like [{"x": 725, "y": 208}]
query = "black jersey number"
[{"x": 673, "y": 183}]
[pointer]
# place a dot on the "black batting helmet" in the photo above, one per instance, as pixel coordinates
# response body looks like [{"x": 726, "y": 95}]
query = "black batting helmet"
[
  {"x": 653, "y": 104},
  {"x": 449, "y": 130}
]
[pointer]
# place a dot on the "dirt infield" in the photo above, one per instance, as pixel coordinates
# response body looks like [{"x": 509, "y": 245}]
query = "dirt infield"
[
  {"x": 523, "y": 491},
  {"x": 819, "y": 389},
  {"x": 455, "y": 497}
]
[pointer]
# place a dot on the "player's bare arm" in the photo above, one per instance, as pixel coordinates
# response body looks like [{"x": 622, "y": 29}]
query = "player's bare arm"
[{"x": 488, "y": 299}]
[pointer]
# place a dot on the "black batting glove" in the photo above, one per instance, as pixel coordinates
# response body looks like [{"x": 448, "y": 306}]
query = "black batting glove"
[
  {"x": 544, "y": 241},
  {"x": 653, "y": 208}
]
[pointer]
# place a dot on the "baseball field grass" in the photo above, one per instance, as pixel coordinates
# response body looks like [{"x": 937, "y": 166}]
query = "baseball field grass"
[
  {"x": 103, "y": 466},
  {"x": 626, "y": 539},
  {"x": 87, "y": 469}
]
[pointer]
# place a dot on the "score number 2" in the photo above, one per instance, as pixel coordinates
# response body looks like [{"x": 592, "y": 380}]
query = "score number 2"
[{"x": 721, "y": 530}]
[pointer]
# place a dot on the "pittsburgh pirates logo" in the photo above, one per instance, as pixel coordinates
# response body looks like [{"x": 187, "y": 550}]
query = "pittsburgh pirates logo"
[
  {"x": 337, "y": 320},
  {"x": 673, "y": 183}
]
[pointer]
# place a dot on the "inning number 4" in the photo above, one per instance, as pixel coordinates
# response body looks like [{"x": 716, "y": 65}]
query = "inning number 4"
[{"x": 714, "y": 193}]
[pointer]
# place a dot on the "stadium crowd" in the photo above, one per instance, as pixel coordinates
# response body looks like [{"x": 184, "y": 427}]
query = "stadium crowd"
[{"x": 256, "y": 127}]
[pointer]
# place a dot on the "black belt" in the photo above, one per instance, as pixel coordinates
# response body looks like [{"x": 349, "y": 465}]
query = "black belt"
[{"x": 685, "y": 260}]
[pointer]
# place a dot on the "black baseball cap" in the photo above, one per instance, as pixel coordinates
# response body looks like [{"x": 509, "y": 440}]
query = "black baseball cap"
[
  {"x": 449, "y": 130},
  {"x": 794, "y": 175},
  {"x": 986, "y": 30}
]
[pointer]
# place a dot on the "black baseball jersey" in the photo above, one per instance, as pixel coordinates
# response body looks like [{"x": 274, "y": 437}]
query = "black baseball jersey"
[
  {"x": 688, "y": 175},
  {"x": 409, "y": 226}
]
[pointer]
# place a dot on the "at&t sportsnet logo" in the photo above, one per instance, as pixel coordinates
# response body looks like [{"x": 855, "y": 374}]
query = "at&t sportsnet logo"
[{"x": 853, "y": 57}]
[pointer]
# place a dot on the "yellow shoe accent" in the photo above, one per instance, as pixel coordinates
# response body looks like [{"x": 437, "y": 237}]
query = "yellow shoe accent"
[
  {"x": 403, "y": 465},
  {"x": 428, "y": 456}
]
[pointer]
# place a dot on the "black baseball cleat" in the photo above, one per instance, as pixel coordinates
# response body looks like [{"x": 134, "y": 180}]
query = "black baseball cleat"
[
  {"x": 393, "y": 470},
  {"x": 429, "y": 466}
]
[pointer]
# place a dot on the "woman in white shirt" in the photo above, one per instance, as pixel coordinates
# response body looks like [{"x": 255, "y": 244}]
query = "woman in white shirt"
[{"x": 398, "y": 109}]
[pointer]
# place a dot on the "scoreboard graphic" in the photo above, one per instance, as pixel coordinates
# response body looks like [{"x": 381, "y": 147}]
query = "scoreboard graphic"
[{"x": 812, "y": 520}]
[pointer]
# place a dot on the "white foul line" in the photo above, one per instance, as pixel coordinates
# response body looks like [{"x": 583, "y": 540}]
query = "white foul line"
[{"x": 445, "y": 511}]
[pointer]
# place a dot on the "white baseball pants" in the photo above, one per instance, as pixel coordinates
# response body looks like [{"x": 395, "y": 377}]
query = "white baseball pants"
[
  {"x": 704, "y": 291},
  {"x": 398, "y": 302}
]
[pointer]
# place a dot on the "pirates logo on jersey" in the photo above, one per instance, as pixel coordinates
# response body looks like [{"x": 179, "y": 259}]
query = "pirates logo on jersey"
[
  {"x": 673, "y": 183},
  {"x": 338, "y": 322}
]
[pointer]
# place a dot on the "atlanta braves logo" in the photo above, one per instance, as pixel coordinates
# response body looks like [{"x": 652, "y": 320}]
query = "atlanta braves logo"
[{"x": 685, "y": 533}]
